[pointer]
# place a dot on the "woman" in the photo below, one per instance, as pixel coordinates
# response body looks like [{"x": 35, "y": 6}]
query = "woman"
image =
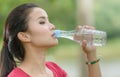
[{"x": 28, "y": 35}]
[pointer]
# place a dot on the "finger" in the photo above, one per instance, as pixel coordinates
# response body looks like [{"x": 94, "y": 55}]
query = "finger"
[
  {"x": 84, "y": 45},
  {"x": 88, "y": 27},
  {"x": 78, "y": 27}
]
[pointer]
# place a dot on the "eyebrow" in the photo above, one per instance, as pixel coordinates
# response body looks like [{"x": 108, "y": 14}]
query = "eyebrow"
[{"x": 42, "y": 17}]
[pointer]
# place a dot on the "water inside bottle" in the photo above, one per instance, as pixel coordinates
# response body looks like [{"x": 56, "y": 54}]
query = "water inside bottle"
[
  {"x": 92, "y": 40},
  {"x": 95, "y": 38}
]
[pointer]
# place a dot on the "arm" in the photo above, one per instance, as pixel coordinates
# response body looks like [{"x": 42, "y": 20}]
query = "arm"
[{"x": 94, "y": 69}]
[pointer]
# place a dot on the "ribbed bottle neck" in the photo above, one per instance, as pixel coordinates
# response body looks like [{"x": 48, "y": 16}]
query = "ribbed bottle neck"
[{"x": 65, "y": 34}]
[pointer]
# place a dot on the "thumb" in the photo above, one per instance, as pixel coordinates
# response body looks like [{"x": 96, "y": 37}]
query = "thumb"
[{"x": 84, "y": 45}]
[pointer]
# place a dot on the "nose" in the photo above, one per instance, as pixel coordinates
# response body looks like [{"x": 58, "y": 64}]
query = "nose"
[{"x": 52, "y": 27}]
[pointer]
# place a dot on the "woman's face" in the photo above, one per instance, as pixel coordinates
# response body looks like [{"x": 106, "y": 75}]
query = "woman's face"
[{"x": 40, "y": 30}]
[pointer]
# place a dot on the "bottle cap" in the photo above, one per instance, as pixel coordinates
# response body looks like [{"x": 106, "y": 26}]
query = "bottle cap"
[{"x": 57, "y": 33}]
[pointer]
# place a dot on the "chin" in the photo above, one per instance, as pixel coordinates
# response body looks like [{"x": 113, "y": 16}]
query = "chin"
[{"x": 53, "y": 45}]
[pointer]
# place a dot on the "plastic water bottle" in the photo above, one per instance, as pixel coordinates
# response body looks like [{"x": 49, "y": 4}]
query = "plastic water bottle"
[{"x": 93, "y": 37}]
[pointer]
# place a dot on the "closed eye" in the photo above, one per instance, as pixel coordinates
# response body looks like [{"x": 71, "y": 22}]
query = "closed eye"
[{"x": 42, "y": 22}]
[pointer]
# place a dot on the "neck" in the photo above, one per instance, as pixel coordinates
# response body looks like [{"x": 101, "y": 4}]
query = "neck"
[{"x": 34, "y": 60}]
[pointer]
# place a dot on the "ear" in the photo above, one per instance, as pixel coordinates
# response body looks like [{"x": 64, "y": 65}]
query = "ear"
[{"x": 24, "y": 37}]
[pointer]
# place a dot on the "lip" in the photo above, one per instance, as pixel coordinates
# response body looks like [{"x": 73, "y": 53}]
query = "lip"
[{"x": 53, "y": 35}]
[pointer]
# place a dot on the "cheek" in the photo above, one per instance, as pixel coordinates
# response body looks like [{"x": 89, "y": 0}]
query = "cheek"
[
  {"x": 39, "y": 34},
  {"x": 39, "y": 37},
  {"x": 38, "y": 31}
]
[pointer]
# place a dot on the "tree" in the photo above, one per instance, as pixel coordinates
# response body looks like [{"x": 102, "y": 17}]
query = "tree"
[{"x": 84, "y": 17}]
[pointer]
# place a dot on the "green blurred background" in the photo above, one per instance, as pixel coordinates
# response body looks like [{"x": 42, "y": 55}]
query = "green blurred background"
[{"x": 62, "y": 13}]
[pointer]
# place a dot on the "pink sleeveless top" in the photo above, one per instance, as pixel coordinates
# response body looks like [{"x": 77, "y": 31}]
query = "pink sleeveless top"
[{"x": 57, "y": 71}]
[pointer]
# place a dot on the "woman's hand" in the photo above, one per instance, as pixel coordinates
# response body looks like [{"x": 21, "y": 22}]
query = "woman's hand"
[{"x": 89, "y": 50}]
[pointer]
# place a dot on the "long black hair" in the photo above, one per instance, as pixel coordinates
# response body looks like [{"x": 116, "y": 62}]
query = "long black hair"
[{"x": 12, "y": 48}]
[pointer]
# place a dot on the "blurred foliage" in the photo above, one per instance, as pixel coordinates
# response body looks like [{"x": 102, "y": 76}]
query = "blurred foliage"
[
  {"x": 62, "y": 13},
  {"x": 107, "y": 16}
]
